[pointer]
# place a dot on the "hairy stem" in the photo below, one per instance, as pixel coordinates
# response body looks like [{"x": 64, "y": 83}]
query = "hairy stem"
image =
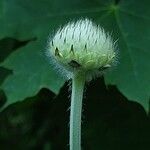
[{"x": 78, "y": 82}]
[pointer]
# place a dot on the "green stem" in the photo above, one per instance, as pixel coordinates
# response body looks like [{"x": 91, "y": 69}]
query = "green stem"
[{"x": 78, "y": 82}]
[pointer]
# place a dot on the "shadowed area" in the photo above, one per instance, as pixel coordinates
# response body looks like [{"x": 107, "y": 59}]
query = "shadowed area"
[{"x": 110, "y": 121}]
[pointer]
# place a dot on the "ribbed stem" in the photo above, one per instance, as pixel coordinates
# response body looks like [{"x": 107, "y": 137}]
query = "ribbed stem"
[{"x": 78, "y": 82}]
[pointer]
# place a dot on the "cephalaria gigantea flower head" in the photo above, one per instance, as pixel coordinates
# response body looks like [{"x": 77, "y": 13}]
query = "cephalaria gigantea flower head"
[{"x": 82, "y": 46}]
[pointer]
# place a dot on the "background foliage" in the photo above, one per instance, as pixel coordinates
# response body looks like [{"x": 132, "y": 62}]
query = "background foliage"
[{"x": 39, "y": 119}]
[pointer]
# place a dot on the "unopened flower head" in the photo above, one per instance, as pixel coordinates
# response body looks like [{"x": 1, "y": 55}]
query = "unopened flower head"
[{"x": 82, "y": 46}]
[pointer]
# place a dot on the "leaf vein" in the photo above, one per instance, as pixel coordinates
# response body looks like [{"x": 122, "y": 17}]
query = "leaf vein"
[{"x": 134, "y": 15}]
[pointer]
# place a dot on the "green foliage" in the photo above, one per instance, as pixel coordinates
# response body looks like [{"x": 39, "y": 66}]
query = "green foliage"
[
  {"x": 128, "y": 21},
  {"x": 30, "y": 72},
  {"x": 112, "y": 122}
]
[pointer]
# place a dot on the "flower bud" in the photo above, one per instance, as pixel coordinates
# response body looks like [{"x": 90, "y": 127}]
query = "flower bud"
[{"x": 82, "y": 46}]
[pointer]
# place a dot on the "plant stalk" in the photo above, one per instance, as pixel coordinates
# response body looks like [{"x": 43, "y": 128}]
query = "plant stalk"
[{"x": 78, "y": 83}]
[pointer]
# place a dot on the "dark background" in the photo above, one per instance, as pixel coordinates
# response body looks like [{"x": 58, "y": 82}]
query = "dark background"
[{"x": 109, "y": 121}]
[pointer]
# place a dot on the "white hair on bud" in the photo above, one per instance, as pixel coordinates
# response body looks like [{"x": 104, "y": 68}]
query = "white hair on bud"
[{"x": 82, "y": 46}]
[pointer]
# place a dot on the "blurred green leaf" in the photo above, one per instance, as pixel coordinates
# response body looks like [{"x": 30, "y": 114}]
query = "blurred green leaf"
[
  {"x": 132, "y": 21},
  {"x": 30, "y": 73},
  {"x": 23, "y": 20},
  {"x": 47, "y": 146}
]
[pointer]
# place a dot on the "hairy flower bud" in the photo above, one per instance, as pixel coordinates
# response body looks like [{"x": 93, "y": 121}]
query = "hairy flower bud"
[{"x": 82, "y": 46}]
